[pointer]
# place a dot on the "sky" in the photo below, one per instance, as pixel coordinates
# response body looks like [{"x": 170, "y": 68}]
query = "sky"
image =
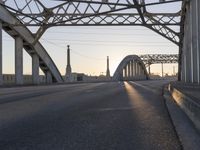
[{"x": 91, "y": 45}]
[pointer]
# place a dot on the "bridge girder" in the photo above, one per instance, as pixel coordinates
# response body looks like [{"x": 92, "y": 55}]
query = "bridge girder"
[
  {"x": 149, "y": 59},
  {"x": 96, "y": 13}
]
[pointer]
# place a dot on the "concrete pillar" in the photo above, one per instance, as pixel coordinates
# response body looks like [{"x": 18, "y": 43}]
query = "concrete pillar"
[
  {"x": 194, "y": 41},
  {"x": 35, "y": 69},
  {"x": 129, "y": 70},
  {"x": 48, "y": 77},
  {"x": 134, "y": 68},
  {"x": 1, "y": 49},
  {"x": 162, "y": 71},
  {"x": 149, "y": 69},
  {"x": 198, "y": 39},
  {"x": 18, "y": 60},
  {"x": 188, "y": 61},
  {"x": 125, "y": 71},
  {"x": 138, "y": 69}
]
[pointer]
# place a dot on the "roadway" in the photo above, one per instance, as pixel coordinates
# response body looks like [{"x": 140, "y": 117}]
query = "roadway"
[{"x": 93, "y": 116}]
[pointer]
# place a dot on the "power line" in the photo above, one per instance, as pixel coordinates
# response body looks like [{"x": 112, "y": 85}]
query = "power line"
[
  {"x": 102, "y": 41},
  {"x": 75, "y": 52},
  {"x": 106, "y": 33}
]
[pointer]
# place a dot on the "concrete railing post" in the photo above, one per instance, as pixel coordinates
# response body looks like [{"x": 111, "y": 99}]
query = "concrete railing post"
[
  {"x": 1, "y": 49},
  {"x": 18, "y": 60},
  {"x": 35, "y": 69}
]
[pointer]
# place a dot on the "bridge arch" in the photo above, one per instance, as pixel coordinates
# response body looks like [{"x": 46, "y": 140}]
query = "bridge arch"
[
  {"x": 25, "y": 39},
  {"x": 131, "y": 68}
]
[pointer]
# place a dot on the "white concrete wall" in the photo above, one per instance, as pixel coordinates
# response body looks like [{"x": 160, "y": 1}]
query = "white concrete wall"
[{"x": 191, "y": 44}]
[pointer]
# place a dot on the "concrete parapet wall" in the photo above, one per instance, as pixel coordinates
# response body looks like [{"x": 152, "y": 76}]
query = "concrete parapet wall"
[
  {"x": 187, "y": 104},
  {"x": 10, "y": 79}
]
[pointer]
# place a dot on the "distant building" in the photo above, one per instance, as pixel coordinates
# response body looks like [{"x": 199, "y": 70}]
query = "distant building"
[{"x": 81, "y": 77}]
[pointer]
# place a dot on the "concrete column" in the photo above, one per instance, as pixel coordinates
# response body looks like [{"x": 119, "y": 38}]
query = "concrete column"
[
  {"x": 35, "y": 69},
  {"x": 125, "y": 73},
  {"x": 162, "y": 71},
  {"x": 129, "y": 70},
  {"x": 194, "y": 40},
  {"x": 149, "y": 69},
  {"x": 1, "y": 49},
  {"x": 18, "y": 60},
  {"x": 138, "y": 70},
  {"x": 198, "y": 39},
  {"x": 134, "y": 68},
  {"x": 188, "y": 61},
  {"x": 48, "y": 77}
]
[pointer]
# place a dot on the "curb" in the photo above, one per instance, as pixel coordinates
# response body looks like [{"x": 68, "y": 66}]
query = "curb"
[
  {"x": 187, "y": 104},
  {"x": 186, "y": 131}
]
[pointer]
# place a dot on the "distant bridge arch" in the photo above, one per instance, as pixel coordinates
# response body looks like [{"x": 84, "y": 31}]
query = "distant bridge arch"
[{"x": 131, "y": 68}]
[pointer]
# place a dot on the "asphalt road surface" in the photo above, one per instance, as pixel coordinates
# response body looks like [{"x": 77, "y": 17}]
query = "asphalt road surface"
[{"x": 93, "y": 116}]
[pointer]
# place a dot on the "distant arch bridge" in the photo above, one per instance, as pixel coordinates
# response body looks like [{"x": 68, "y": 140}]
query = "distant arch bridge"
[{"x": 133, "y": 67}]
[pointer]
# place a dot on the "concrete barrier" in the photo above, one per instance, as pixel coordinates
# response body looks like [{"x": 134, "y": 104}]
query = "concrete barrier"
[
  {"x": 187, "y": 103},
  {"x": 10, "y": 79}
]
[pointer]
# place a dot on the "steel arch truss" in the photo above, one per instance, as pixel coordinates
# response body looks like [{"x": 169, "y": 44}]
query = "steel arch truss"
[
  {"x": 159, "y": 58},
  {"x": 45, "y": 14}
]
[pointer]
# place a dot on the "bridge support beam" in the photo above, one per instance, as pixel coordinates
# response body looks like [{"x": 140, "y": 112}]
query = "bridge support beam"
[
  {"x": 18, "y": 60},
  {"x": 48, "y": 77},
  {"x": 191, "y": 44},
  {"x": 129, "y": 70},
  {"x": 125, "y": 72},
  {"x": 1, "y": 49},
  {"x": 198, "y": 40},
  {"x": 132, "y": 69},
  {"x": 194, "y": 38},
  {"x": 136, "y": 70},
  {"x": 35, "y": 69}
]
